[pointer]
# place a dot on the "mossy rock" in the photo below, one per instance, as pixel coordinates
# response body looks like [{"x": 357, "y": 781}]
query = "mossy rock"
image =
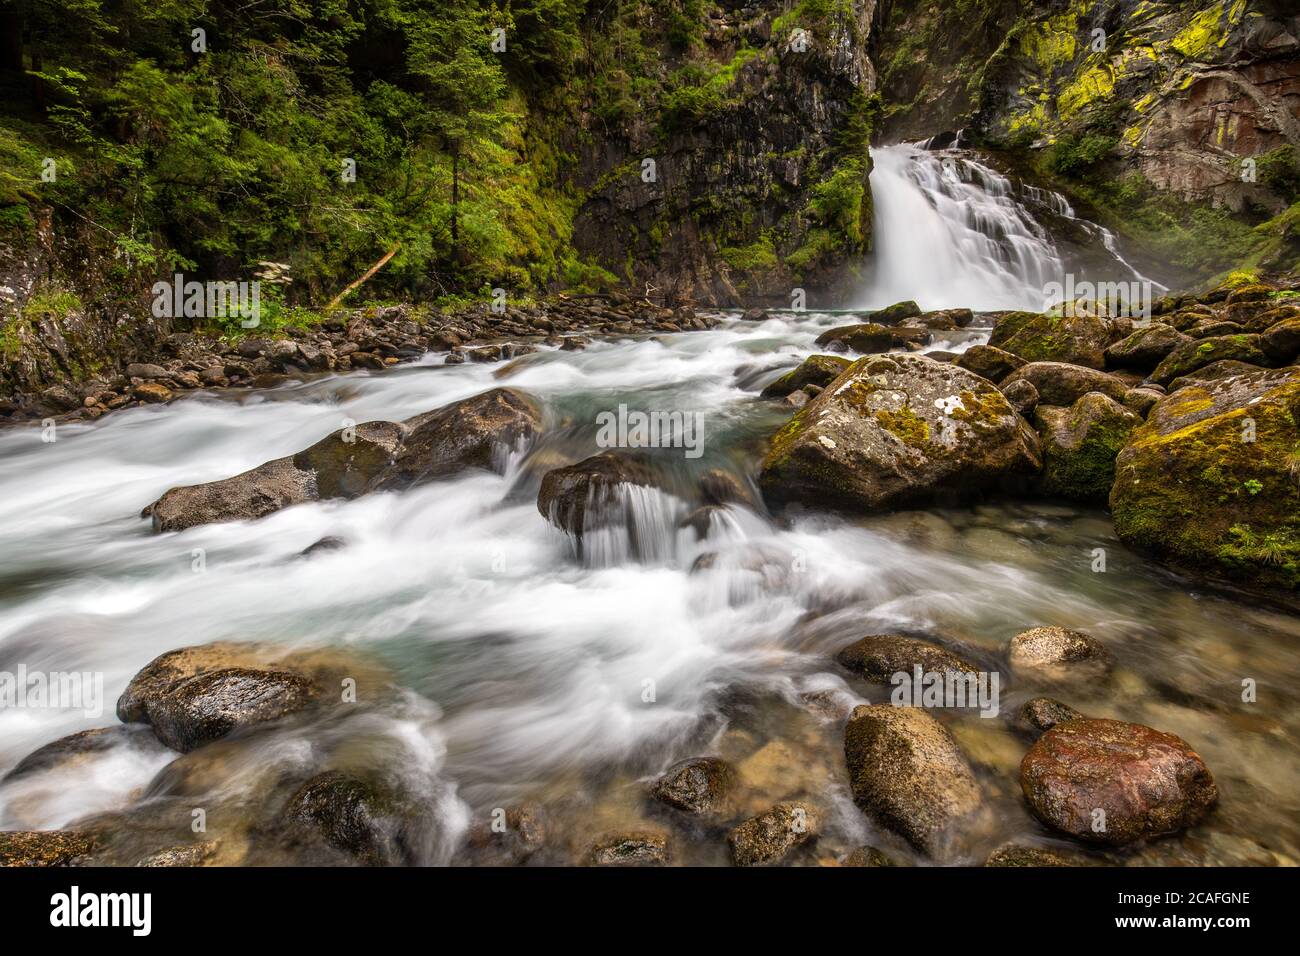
[
  {"x": 1076, "y": 339},
  {"x": 990, "y": 362},
  {"x": 1208, "y": 483},
  {"x": 1059, "y": 383},
  {"x": 1190, "y": 356},
  {"x": 1145, "y": 348},
  {"x": 894, "y": 431},
  {"x": 896, "y": 313},
  {"x": 871, "y": 338},
  {"x": 818, "y": 370},
  {"x": 1080, "y": 444}
]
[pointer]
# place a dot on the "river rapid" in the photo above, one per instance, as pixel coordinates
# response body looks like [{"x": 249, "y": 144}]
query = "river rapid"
[{"x": 521, "y": 671}]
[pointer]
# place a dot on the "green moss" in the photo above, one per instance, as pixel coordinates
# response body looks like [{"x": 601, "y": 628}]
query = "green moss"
[{"x": 905, "y": 425}]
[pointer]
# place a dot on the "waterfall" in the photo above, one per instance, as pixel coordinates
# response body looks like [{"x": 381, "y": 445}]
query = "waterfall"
[{"x": 951, "y": 232}]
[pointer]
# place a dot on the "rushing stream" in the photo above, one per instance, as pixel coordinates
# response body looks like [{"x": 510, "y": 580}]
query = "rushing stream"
[{"x": 532, "y": 675}]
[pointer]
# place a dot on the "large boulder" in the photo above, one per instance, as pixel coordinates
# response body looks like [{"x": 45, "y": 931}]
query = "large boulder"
[
  {"x": 1080, "y": 444},
  {"x": 989, "y": 362},
  {"x": 353, "y": 461},
  {"x": 591, "y": 494},
  {"x": 906, "y": 770},
  {"x": 1062, "y": 384},
  {"x": 475, "y": 433},
  {"x": 1190, "y": 356},
  {"x": 1208, "y": 483},
  {"x": 1076, "y": 339},
  {"x": 878, "y": 657},
  {"x": 1144, "y": 349},
  {"x": 212, "y": 705},
  {"x": 1281, "y": 341},
  {"x": 1113, "y": 783},
  {"x": 894, "y": 431},
  {"x": 870, "y": 338},
  {"x": 818, "y": 370}
]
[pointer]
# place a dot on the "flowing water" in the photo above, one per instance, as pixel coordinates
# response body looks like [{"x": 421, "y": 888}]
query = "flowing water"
[{"x": 519, "y": 671}]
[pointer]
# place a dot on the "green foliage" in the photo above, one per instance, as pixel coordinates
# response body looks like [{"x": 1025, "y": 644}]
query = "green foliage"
[{"x": 1073, "y": 155}]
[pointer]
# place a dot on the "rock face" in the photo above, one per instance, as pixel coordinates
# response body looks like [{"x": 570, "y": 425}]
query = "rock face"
[
  {"x": 1080, "y": 444},
  {"x": 1113, "y": 783},
  {"x": 894, "y": 431},
  {"x": 1209, "y": 481},
  {"x": 907, "y": 771},
  {"x": 768, "y": 837},
  {"x": 353, "y": 461},
  {"x": 347, "y": 813},
  {"x": 700, "y": 786},
  {"x": 878, "y": 657},
  {"x": 815, "y": 370},
  {"x": 1077, "y": 340},
  {"x": 1057, "y": 653}
]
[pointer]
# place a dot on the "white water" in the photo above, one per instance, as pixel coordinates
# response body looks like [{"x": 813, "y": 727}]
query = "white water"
[
  {"x": 951, "y": 232},
  {"x": 524, "y": 670}
]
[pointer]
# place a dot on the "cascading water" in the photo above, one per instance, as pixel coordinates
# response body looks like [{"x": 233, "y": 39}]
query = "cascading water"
[{"x": 951, "y": 232}]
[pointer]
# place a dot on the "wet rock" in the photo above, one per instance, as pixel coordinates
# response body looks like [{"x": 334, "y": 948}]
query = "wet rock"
[
  {"x": 152, "y": 393},
  {"x": 65, "y": 750},
  {"x": 1057, "y": 653},
  {"x": 44, "y": 847},
  {"x": 907, "y": 771},
  {"x": 513, "y": 836},
  {"x": 867, "y": 856},
  {"x": 895, "y": 431},
  {"x": 754, "y": 315},
  {"x": 1196, "y": 354},
  {"x": 1061, "y": 384},
  {"x": 630, "y": 849},
  {"x": 1113, "y": 783},
  {"x": 474, "y": 433},
  {"x": 896, "y": 313},
  {"x": 587, "y": 495},
  {"x": 189, "y": 854},
  {"x": 328, "y": 543},
  {"x": 1022, "y": 395},
  {"x": 815, "y": 370},
  {"x": 796, "y": 399},
  {"x": 718, "y": 487},
  {"x": 701, "y": 786},
  {"x": 1209, "y": 481},
  {"x": 878, "y": 657},
  {"x": 1080, "y": 444},
  {"x": 1010, "y": 854},
  {"x": 1076, "y": 339},
  {"x": 212, "y": 705},
  {"x": 870, "y": 338},
  {"x": 768, "y": 837},
  {"x": 349, "y": 814},
  {"x": 1044, "y": 713},
  {"x": 1145, "y": 348},
  {"x": 989, "y": 362}
]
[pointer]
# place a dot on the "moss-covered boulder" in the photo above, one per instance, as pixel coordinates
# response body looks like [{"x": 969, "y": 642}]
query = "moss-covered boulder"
[
  {"x": 906, "y": 770},
  {"x": 896, "y": 313},
  {"x": 894, "y": 431},
  {"x": 814, "y": 370},
  {"x": 1208, "y": 483},
  {"x": 871, "y": 338},
  {"x": 1191, "y": 356},
  {"x": 1080, "y": 444},
  {"x": 1059, "y": 383},
  {"x": 1281, "y": 341},
  {"x": 1211, "y": 373},
  {"x": 990, "y": 362},
  {"x": 1076, "y": 339},
  {"x": 1144, "y": 349},
  {"x": 1114, "y": 783}
]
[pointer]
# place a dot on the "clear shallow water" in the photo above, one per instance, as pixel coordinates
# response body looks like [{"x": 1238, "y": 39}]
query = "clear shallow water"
[{"x": 523, "y": 671}]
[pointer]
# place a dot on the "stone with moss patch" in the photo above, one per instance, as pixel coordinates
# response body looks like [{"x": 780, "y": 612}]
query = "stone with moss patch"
[
  {"x": 1191, "y": 356},
  {"x": 1080, "y": 444},
  {"x": 814, "y": 370},
  {"x": 1076, "y": 339}
]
